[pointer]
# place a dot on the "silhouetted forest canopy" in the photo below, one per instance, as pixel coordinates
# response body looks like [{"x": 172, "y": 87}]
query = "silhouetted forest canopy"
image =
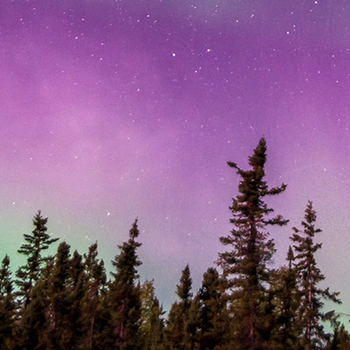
[{"x": 68, "y": 301}]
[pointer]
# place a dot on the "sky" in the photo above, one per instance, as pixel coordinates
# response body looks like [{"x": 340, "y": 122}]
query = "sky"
[{"x": 117, "y": 110}]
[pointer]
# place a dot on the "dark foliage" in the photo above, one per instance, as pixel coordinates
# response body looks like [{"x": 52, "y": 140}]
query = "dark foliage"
[
  {"x": 65, "y": 301},
  {"x": 251, "y": 249}
]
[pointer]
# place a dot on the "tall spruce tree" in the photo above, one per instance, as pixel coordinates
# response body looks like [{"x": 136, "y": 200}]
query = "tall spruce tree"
[
  {"x": 124, "y": 296},
  {"x": 34, "y": 325},
  {"x": 95, "y": 282},
  {"x": 65, "y": 292},
  {"x": 178, "y": 335},
  {"x": 7, "y": 305},
  {"x": 286, "y": 302},
  {"x": 251, "y": 250},
  {"x": 36, "y": 242},
  {"x": 58, "y": 292},
  {"x": 310, "y": 312},
  {"x": 76, "y": 292},
  {"x": 213, "y": 314}
]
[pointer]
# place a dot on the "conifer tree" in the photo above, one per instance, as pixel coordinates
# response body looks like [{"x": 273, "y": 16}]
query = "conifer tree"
[
  {"x": 66, "y": 292},
  {"x": 152, "y": 322},
  {"x": 286, "y": 302},
  {"x": 124, "y": 296},
  {"x": 7, "y": 305},
  {"x": 245, "y": 264},
  {"x": 340, "y": 339},
  {"x": 34, "y": 325},
  {"x": 183, "y": 289},
  {"x": 192, "y": 325},
  {"x": 310, "y": 312},
  {"x": 76, "y": 292},
  {"x": 213, "y": 314},
  {"x": 178, "y": 336},
  {"x": 58, "y": 292},
  {"x": 95, "y": 281},
  {"x": 36, "y": 242}
]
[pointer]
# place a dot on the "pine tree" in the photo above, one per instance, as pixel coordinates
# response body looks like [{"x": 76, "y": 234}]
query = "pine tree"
[
  {"x": 7, "y": 305},
  {"x": 178, "y": 336},
  {"x": 124, "y": 296},
  {"x": 310, "y": 312},
  {"x": 37, "y": 242},
  {"x": 246, "y": 263}
]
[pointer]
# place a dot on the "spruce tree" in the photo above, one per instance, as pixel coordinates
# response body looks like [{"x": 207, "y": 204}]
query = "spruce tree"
[
  {"x": 178, "y": 335},
  {"x": 213, "y": 314},
  {"x": 310, "y": 312},
  {"x": 36, "y": 242},
  {"x": 124, "y": 295},
  {"x": 66, "y": 292},
  {"x": 58, "y": 291},
  {"x": 53, "y": 318},
  {"x": 183, "y": 289},
  {"x": 34, "y": 325},
  {"x": 7, "y": 305},
  {"x": 286, "y": 303},
  {"x": 340, "y": 339},
  {"x": 245, "y": 264},
  {"x": 95, "y": 281},
  {"x": 76, "y": 292}
]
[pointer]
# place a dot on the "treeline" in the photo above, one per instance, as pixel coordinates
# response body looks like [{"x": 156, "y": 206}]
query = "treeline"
[{"x": 66, "y": 301}]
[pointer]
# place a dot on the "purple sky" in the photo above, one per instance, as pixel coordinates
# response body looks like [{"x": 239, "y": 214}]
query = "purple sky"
[{"x": 112, "y": 110}]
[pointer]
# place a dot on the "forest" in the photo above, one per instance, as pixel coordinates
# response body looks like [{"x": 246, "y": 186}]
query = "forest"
[{"x": 68, "y": 301}]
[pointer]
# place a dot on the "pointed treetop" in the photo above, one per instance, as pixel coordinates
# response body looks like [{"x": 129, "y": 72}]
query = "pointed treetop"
[
  {"x": 38, "y": 216},
  {"x": 258, "y": 158},
  {"x": 290, "y": 254},
  {"x": 6, "y": 260},
  {"x": 310, "y": 213},
  {"x": 134, "y": 231},
  {"x": 183, "y": 290}
]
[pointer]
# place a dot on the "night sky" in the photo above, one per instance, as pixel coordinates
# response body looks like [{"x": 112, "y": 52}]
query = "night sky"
[{"x": 112, "y": 110}]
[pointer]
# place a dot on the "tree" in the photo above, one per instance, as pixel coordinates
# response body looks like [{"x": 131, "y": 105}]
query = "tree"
[
  {"x": 310, "y": 313},
  {"x": 7, "y": 305},
  {"x": 65, "y": 294},
  {"x": 76, "y": 291},
  {"x": 124, "y": 296},
  {"x": 183, "y": 289},
  {"x": 38, "y": 241},
  {"x": 178, "y": 335},
  {"x": 152, "y": 322},
  {"x": 213, "y": 314},
  {"x": 95, "y": 281},
  {"x": 58, "y": 292},
  {"x": 245, "y": 264},
  {"x": 286, "y": 303},
  {"x": 33, "y": 328},
  {"x": 340, "y": 339}
]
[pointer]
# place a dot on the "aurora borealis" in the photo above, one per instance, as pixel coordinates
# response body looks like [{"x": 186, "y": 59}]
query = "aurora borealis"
[{"x": 112, "y": 110}]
